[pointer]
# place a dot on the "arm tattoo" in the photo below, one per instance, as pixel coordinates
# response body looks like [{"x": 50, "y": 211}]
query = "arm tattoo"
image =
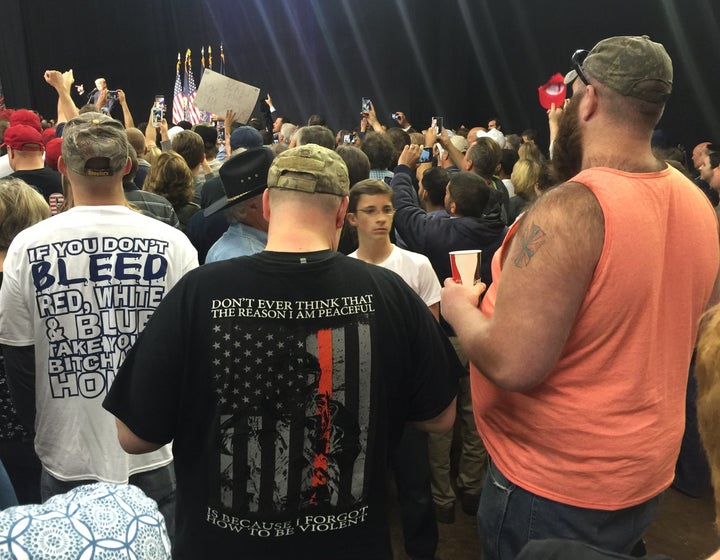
[{"x": 530, "y": 242}]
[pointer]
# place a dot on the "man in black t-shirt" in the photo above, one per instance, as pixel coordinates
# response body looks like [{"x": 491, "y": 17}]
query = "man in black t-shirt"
[
  {"x": 25, "y": 151},
  {"x": 284, "y": 380}
]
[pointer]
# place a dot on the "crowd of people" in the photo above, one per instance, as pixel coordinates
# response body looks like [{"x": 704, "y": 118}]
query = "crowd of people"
[{"x": 256, "y": 330}]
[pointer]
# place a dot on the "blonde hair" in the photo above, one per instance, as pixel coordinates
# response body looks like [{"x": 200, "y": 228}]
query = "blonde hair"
[
  {"x": 171, "y": 177},
  {"x": 21, "y": 206},
  {"x": 524, "y": 177},
  {"x": 528, "y": 150},
  {"x": 707, "y": 372}
]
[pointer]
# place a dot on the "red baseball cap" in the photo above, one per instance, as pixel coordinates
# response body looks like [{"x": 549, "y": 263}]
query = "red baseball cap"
[
  {"x": 553, "y": 91},
  {"x": 53, "y": 150},
  {"x": 23, "y": 138},
  {"x": 48, "y": 134},
  {"x": 26, "y": 117}
]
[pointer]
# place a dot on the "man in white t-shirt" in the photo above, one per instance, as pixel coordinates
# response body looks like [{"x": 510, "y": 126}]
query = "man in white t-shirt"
[
  {"x": 77, "y": 290},
  {"x": 371, "y": 210}
]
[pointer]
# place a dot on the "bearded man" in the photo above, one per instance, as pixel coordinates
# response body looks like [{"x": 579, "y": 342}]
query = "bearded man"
[{"x": 581, "y": 347}]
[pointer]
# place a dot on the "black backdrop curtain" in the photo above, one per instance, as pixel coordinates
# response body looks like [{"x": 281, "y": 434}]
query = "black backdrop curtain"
[{"x": 467, "y": 60}]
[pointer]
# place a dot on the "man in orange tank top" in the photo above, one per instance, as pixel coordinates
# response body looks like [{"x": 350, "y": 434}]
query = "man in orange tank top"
[{"x": 581, "y": 347}]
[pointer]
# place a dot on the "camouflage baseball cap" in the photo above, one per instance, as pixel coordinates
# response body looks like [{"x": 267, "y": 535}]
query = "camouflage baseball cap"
[
  {"x": 94, "y": 145},
  {"x": 633, "y": 66},
  {"x": 310, "y": 169}
]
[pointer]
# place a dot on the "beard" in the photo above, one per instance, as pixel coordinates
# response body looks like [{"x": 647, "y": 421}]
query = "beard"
[{"x": 567, "y": 148}]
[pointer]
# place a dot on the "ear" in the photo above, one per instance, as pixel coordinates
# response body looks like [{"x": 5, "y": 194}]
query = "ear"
[
  {"x": 266, "y": 204},
  {"x": 453, "y": 208},
  {"x": 128, "y": 166},
  {"x": 342, "y": 210},
  {"x": 351, "y": 218},
  {"x": 467, "y": 164},
  {"x": 588, "y": 104},
  {"x": 62, "y": 166},
  {"x": 423, "y": 195}
]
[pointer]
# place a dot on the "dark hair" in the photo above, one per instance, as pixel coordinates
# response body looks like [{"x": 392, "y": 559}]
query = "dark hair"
[
  {"x": 186, "y": 125},
  {"x": 530, "y": 133},
  {"x": 485, "y": 155},
  {"x": 508, "y": 159},
  {"x": 369, "y": 187},
  {"x": 546, "y": 179},
  {"x": 318, "y": 120},
  {"x": 378, "y": 149},
  {"x": 435, "y": 181},
  {"x": 399, "y": 139},
  {"x": 469, "y": 193},
  {"x": 714, "y": 159},
  {"x": 316, "y": 134},
  {"x": 256, "y": 124},
  {"x": 357, "y": 163},
  {"x": 190, "y": 146}
]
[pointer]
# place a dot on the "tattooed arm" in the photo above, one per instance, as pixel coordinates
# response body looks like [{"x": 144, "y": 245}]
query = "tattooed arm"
[{"x": 545, "y": 276}]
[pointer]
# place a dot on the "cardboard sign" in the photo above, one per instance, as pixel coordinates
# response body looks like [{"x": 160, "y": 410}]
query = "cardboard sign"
[{"x": 218, "y": 93}]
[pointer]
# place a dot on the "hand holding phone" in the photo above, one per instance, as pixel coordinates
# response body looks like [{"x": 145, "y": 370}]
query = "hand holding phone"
[{"x": 365, "y": 105}]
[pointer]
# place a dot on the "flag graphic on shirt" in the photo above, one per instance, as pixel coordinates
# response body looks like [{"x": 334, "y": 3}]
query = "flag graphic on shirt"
[
  {"x": 178, "y": 111},
  {"x": 294, "y": 409}
]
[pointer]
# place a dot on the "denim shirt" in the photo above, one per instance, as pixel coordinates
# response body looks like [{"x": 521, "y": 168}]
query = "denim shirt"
[{"x": 238, "y": 241}]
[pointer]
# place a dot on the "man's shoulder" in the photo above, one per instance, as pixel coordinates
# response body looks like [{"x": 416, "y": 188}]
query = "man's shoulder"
[
  {"x": 137, "y": 195},
  {"x": 412, "y": 257},
  {"x": 46, "y": 174}
]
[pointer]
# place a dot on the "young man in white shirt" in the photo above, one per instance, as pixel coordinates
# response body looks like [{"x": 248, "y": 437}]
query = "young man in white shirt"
[{"x": 371, "y": 210}]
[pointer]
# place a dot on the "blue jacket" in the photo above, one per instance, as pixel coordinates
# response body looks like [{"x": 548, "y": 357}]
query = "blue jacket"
[{"x": 435, "y": 237}]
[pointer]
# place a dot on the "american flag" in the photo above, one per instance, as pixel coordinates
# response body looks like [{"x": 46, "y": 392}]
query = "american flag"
[
  {"x": 293, "y": 409},
  {"x": 189, "y": 91},
  {"x": 206, "y": 116},
  {"x": 178, "y": 111}
]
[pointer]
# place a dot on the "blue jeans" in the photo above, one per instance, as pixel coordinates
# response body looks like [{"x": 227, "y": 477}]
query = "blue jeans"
[
  {"x": 7, "y": 493},
  {"x": 158, "y": 484},
  {"x": 509, "y": 517}
]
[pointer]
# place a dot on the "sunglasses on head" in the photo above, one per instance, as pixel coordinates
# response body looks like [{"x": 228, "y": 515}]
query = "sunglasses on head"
[{"x": 577, "y": 59}]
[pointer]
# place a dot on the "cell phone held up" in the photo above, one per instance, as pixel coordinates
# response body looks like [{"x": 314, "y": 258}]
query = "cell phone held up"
[
  {"x": 365, "y": 105},
  {"x": 158, "y": 110},
  {"x": 113, "y": 94},
  {"x": 438, "y": 124},
  {"x": 426, "y": 155},
  {"x": 157, "y": 116}
]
